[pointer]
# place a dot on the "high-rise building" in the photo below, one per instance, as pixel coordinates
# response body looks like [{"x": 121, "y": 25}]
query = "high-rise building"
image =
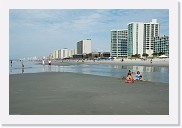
[
  {"x": 63, "y": 53},
  {"x": 140, "y": 37},
  {"x": 119, "y": 43},
  {"x": 72, "y": 52},
  {"x": 84, "y": 46},
  {"x": 135, "y": 38},
  {"x": 151, "y": 30},
  {"x": 55, "y": 55},
  {"x": 161, "y": 44}
]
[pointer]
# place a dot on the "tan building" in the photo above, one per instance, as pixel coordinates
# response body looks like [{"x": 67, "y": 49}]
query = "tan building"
[{"x": 84, "y": 46}]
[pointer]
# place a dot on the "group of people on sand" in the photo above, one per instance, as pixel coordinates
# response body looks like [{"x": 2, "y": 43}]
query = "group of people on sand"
[{"x": 130, "y": 79}]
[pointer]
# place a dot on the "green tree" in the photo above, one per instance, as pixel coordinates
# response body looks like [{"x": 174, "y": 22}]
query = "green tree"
[
  {"x": 145, "y": 55},
  {"x": 155, "y": 54},
  {"x": 136, "y": 55}
]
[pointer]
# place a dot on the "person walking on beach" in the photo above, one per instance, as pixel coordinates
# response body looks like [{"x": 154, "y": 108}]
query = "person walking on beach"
[{"x": 22, "y": 65}]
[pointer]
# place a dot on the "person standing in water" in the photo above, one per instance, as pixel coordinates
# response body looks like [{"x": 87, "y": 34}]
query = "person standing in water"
[
  {"x": 43, "y": 62},
  {"x": 22, "y": 65},
  {"x": 49, "y": 62}
]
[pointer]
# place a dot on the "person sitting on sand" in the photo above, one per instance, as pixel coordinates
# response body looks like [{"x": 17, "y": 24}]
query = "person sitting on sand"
[
  {"x": 138, "y": 76},
  {"x": 129, "y": 78}
]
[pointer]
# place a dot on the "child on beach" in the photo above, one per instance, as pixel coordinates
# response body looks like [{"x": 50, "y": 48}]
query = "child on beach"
[
  {"x": 138, "y": 76},
  {"x": 129, "y": 78}
]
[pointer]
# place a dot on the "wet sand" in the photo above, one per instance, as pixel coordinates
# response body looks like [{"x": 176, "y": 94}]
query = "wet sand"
[{"x": 80, "y": 94}]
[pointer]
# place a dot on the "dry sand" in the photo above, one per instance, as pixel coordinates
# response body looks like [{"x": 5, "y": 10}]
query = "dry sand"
[
  {"x": 80, "y": 94},
  {"x": 126, "y": 62}
]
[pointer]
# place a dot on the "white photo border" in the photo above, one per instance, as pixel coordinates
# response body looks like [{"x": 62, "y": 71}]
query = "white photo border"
[{"x": 171, "y": 119}]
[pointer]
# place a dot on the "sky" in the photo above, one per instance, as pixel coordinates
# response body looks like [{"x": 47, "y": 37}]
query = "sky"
[{"x": 38, "y": 32}]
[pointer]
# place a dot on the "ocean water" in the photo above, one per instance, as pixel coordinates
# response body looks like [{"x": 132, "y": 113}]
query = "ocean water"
[{"x": 149, "y": 73}]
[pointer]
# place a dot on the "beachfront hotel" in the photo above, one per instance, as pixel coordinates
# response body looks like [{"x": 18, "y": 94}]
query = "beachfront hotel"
[
  {"x": 135, "y": 38},
  {"x": 151, "y": 30},
  {"x": 72, "y": 52},
  {"x": 55, "y": 54},
  {"x": 161, "y": 44},
  {"x": 62, "y": 53},
  {"x": 119, "y": 43},
  {"x": 140, "y": 37},
  {"x": 84, "y": 46}
]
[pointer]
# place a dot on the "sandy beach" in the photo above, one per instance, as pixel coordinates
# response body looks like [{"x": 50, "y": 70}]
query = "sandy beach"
[
  {"x": 79, "y": 94},
  {"x": 126, "y": 62}
]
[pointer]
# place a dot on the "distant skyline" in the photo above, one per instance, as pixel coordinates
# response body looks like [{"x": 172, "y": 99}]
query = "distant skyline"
[{"x": 38, "y": 32}]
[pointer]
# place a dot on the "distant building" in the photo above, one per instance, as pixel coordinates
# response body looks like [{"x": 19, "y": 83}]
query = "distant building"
[
  {"x": 78, "y": 56},
  {"x": 56, "y": 54},
  {"x": 119, "y": 43},
  {"x": 99, "y": 55},
  {"x": 161, "y": 44},
  {"x": 50, "y": 56},
  {"x": 94, "y": 55},
  {"x": 84, "y": 46},
  {"x": 105, "y": 54},
  {"x": 64, "y": 53},
  {"x": 72, "y": 52}
]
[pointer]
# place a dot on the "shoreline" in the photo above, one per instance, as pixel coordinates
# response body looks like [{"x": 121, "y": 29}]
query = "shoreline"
[{"x": 81, "y": 94}]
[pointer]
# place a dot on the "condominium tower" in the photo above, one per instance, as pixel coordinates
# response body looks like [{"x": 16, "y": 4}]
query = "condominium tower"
[
  {"x": 72, "y": 52},
  {"x": 84, "y": 46},
  {"x": 135, "y": 38},
  {"x": 119, "y": 43},
  {"x": 140, "y": 37},
  {"x": 63, "y": 53},
  {"x": 151, "y": 30}
]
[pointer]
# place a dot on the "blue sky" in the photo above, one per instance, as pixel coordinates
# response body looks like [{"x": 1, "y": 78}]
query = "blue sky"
[{"x": 40, "y": 32}]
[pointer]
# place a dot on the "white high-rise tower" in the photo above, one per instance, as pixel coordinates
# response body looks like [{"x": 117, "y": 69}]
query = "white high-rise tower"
[
  {"x": 135, "y": 38},
  {"x": 140, "y": 37},
  {"x": 151, "y": 30}
]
